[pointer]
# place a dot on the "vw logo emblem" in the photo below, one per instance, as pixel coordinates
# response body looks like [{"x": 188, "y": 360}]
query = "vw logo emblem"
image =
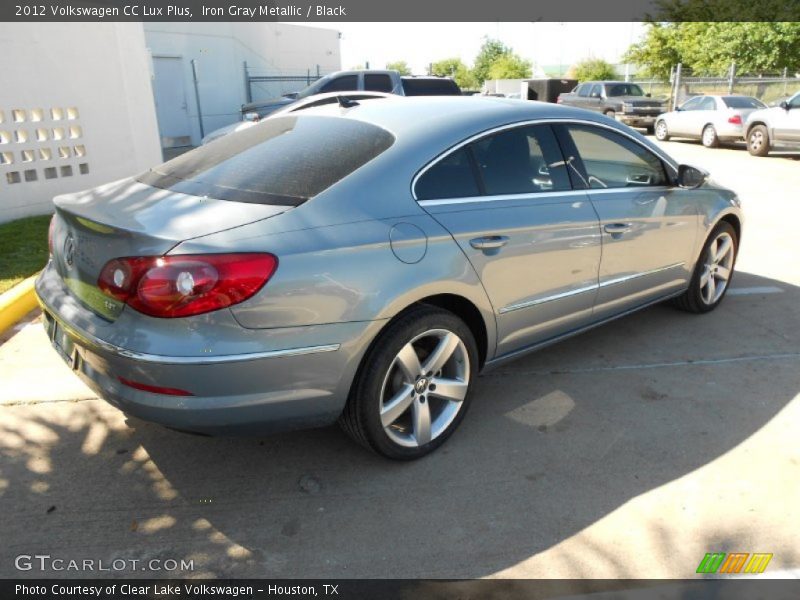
[
  {"x": 420, "y": 385},
  {"x": 69, "y": 250}
]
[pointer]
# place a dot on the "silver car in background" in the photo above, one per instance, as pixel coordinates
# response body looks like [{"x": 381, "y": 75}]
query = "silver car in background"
[
  {"x": 710, "y": 119},
  {"x": 364, "y": 264},
  {"x": 777, "y": 126}
]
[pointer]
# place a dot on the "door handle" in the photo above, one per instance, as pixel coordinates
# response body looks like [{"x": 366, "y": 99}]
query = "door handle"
[
  {"x": 489, "y": 242},
  {"x": 617, "y": 229}
]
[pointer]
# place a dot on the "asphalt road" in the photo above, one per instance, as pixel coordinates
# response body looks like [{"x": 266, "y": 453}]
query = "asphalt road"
[{"x": 630, "y": 451}]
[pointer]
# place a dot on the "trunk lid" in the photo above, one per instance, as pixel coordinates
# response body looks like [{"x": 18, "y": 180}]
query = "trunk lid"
[{"x": 128, "y": 218}]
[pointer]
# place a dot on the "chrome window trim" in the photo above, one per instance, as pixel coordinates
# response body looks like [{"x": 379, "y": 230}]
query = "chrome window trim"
[
  {"x": 433, "y": 162},
  {"x": 589, "y": 288},
  {"x": 542, "y": 195},
  {"x": 93, "y": 343}
]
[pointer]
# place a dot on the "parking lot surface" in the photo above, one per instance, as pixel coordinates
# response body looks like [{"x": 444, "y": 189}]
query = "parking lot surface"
[{"x": 627, "y": 452}]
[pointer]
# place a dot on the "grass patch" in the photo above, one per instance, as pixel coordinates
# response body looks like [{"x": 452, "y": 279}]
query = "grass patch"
[{"x": 23, "y": 249}]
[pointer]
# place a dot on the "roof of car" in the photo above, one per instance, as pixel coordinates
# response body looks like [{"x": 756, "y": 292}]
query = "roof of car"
[{"x": 406, "y": 115}]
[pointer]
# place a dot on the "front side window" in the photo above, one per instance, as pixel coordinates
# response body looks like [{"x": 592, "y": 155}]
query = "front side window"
[
  {"x": 610, "y": 160},
  {"x": 692, "y": 103},
  {"x": 521, "y": 161},
  {"x": 345, "y": 83},
  {"x": 596, "y": 91},
  {"x": 283, "y": 161},
  {"x": 794, "y": 102}
]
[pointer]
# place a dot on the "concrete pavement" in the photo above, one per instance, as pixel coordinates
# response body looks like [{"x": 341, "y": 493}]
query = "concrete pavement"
[{"x": 630, "y": 451}]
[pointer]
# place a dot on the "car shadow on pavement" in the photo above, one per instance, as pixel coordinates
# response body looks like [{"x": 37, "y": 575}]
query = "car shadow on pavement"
[{"x": 561, "y": 469}]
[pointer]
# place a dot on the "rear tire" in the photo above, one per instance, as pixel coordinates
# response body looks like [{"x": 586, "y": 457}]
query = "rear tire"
[
  {"x": 414, "y": 385},
  {"x": 650, "y": 130},
  {"x": 662, "y": 135},
  {"x": 709, "y": 137},
  {"x": 713, "y": 272},
  {"x": 758, "y": 141}
]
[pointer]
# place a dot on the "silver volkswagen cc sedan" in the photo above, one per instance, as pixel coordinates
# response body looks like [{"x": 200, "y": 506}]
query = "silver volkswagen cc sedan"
[{"x": 365, "y": 263}]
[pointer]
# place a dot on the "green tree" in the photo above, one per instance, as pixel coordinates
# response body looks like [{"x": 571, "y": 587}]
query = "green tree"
[
  {"x": 400, "y": 66},
  {"x": 490, "y": 51},
  {"x": 455, "y": 68},
  {"x": 510, "y": 66},
  {"x": 709, "y": 48},
  {"x": 592, "y": 69}
]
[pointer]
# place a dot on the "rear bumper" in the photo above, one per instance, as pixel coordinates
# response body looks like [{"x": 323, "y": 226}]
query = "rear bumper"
[{"x": 297, "y": 385}]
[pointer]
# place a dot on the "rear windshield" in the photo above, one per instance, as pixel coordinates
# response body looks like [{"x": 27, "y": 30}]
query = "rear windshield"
[
  {"x": 430, "y": 87},
  {"x": 742, "y": 102},
  {"x": 283, "y": 161}
]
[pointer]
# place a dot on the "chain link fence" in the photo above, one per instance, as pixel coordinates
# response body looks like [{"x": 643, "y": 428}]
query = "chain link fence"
[
  {"x": 682, "y": 84},
  {"x": 277, "y": 83}
]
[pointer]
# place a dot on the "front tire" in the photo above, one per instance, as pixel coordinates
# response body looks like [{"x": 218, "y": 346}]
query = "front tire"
[
  {"x": 709, "y": 137},
  {"x": 758, "y": 141},
  {"x": 414, "y": 385},
  {"x": 713, "y": 273},
  {"x": 662, "y": 135}
]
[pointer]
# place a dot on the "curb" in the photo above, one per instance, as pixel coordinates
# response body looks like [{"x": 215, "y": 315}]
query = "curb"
[{"x": 17, "y": 302}]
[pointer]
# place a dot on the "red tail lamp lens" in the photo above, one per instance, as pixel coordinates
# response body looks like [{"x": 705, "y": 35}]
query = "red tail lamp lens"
[
  {"x": 185, "y": 285},
  {"x": 735, "y": 119},
  {"x": 154, "y": 389}
]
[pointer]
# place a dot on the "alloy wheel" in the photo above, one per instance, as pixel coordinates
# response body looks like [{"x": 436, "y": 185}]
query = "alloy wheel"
[
  {"x": 424, "y": 388},
  {"x": 717, "y": 268},
  {"x": 756, "y": 140},
  {"x": 661, "y": 130}
]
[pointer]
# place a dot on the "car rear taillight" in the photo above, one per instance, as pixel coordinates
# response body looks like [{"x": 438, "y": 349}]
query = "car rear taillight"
[
  {"x": 735, "y": 120},
  {"x": 50, "y": 234},
  {"x": 559, "y": 100},
  {"x": 185, "y": 285}
]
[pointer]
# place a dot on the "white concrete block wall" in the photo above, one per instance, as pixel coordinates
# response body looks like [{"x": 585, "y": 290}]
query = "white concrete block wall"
[
  {"x": 86, "y": 113},
  {"x": 220, "y": 50}
]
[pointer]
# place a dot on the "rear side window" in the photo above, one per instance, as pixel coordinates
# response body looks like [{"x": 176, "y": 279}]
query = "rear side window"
[
  {"x": 345, "y": 83},
  {"x": 430, "y": 87},
  {"x": 282, "y": 161},
  {"x": 611, "y": 160},
  {"x": 377, "y": 83},
  {"x": 708, "y": 103},
  {"x": 451, "y": 177},
  {"x": 521, "y": 161}
]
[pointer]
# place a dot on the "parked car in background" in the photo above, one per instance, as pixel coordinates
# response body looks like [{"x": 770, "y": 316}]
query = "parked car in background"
[
  {"x": 626, "y": 102},
  {"x": 390, "y": 82},
  {"x": 711, "y": 119},
  {"x": 365, "y": 264},
  {"x": 310, "y": 102},
  {"x": 774, "y": 127}
]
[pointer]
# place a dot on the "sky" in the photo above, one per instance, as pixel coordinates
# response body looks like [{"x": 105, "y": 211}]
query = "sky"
[{"x": 422, "y": 43}]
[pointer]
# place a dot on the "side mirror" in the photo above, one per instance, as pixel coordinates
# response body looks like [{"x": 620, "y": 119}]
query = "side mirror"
[
  {"x": 691, "y": 177},
  {"x": 784, "y": 105},
  {"x": 252, "y": 116},
  {"x": 648, "y": 95},
  {"x": 594, "y": 95}
]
